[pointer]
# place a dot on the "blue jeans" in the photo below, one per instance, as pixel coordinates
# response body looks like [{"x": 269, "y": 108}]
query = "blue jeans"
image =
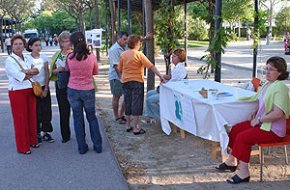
[
  {"x": 79, "y": 100},
  {"x": 152, "y": 104}
]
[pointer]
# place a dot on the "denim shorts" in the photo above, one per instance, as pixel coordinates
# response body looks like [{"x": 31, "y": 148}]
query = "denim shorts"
[{"x": 134, "y": 98}]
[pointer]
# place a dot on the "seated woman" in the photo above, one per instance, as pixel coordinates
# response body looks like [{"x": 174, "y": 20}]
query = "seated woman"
[
  {"x": 267, "y": 125},
  {"x": 178, "y": 73}
]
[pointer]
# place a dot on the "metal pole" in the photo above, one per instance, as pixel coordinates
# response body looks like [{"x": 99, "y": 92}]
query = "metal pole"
[
  {"x": 129, "y": 17},
  {"x": 218, "y": 23},
  {"x": 119, "y": 18},
  {"x": 255, "y": 50},
  {"x": 185, "y": 29}
]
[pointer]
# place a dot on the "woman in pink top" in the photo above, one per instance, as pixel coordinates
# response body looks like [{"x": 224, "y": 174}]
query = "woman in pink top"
[{"x": 81, "y": 92}]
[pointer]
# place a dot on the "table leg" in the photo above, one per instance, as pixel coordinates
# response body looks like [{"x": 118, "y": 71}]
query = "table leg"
[
  {"x": 174, "y": 128},
  {"x": 216, "y": 148},
  {"x": 182, "y": 133}
]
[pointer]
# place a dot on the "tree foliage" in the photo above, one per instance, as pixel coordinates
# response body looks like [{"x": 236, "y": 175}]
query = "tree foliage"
[
  {"x": 237, "y": 10},
  {"x": 53, "y": 23},
  {"x": 167, "y": 30},
  {"x": 282, "y": 20}
]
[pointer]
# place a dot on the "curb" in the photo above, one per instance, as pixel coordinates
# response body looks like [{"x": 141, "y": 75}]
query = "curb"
[{"x": 101, "y": 125}]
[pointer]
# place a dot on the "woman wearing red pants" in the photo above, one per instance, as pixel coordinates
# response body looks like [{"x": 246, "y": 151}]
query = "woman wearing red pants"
[
  {"x": 22, "y": 99},
  {"x": 268, "y": 124}
]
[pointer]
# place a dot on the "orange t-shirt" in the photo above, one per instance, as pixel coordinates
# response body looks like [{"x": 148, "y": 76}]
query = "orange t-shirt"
[{"x": 131, "y": 65}]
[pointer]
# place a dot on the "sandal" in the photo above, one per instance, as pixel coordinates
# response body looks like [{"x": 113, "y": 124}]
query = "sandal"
[
  {"x": 35, "y": 146},
  {"x": 140, "y": 132},
  {"x": 236, "y": 179},
  {"x": 224, "y": 167},
  {"x": 129, "y": 129},
  {"x": 123, "y": 118},
  {"x": 119, "y": 120}
]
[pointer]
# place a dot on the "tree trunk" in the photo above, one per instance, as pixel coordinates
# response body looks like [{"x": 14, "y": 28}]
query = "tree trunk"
[
  {"x": 269, "y": 35},
  {"x": 1, "y": 32},
  {"x": 82, "y": 22},
  {"x": 149, "y": 43},
  {"x": 97, "y": 25},
  {"x": 113, "y": 21},
  {"x": 211, "y": 29}
]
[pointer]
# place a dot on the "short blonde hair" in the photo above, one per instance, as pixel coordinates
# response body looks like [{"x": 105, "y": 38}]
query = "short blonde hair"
[
  {"x": 180, "y": 53},
  {"x": 63, "y": 35}
]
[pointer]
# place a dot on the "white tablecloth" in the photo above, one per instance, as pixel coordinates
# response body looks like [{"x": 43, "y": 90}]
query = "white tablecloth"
[{"x": 181, "y": 104}]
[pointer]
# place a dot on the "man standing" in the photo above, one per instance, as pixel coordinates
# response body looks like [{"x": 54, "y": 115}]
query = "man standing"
[
  {"x": 8, "y": 45},
  {"x": 115, "y": 84}
]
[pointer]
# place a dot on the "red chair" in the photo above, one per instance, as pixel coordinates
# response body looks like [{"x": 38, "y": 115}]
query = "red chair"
[
  {"x": 285, "y": 142},
  {"x": 256, "y": 83}
]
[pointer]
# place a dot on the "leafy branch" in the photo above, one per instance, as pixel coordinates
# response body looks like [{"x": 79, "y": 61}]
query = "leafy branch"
[{"x": 217, "y": 45}]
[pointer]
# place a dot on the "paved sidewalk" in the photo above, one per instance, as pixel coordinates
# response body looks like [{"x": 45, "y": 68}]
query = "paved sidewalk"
[{"x": 53, "y": 166}]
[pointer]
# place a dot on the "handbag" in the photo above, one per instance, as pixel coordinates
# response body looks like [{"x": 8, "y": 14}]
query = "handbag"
[{"x": 37, "y": 90}]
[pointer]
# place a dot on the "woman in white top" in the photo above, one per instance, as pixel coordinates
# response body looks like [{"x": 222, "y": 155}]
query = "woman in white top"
[
  {"x": 178, "y": 73},
  {"x": 43, "y": 103},
  {"x": 22, "y": 99}
]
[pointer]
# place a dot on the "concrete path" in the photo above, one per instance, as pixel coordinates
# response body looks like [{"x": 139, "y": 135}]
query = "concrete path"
[{"x": 53, "y": 166}]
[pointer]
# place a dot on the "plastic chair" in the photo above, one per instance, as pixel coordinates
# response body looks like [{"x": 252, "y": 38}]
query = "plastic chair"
[
  {"x": 256, "y": 83},
  {"x": 285, "y": 142}
]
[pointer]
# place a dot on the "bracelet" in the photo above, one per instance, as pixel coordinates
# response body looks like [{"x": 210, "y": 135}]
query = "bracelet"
[{"x": 259, "y": 119}]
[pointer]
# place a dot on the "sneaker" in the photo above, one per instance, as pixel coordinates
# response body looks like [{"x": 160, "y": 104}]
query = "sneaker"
[
  {"x": 39, "y": 138},
  {"x": 47, "y": 137}
]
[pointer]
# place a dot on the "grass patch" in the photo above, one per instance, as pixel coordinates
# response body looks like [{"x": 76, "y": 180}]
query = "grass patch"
[{"x": 193, "y": 43}]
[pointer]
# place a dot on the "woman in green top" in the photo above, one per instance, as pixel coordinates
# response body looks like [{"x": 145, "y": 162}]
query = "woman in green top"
[
  {"x": 267, "y": 124},
  {"x": 57, "y": 69}
]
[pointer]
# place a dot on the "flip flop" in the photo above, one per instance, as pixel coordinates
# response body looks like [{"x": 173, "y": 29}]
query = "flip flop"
[
  {"x": 129, "y": 129},
  {"x": 140, "y": 132},
  {"x": 236, "y": 179}
]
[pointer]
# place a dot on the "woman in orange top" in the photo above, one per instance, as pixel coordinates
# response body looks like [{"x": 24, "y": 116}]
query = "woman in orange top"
[{"x": 131, "y": 68}]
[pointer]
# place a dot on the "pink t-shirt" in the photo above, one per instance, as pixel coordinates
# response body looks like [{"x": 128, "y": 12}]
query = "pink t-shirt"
[{"x": 81, "y": 72}]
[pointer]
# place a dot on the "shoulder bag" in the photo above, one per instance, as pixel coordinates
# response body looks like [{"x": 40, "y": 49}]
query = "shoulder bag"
[{"x": 37, "y": 90}]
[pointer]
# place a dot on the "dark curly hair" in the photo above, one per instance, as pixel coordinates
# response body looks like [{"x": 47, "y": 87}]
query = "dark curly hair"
[
  {"x": 31, "y": 42},
  {"x": 81, "y": 50},
  {"x": 280, "y": 64}
]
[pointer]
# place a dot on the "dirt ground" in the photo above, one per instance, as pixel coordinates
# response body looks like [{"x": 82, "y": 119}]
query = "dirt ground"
[{"x": 156, "y": 161}]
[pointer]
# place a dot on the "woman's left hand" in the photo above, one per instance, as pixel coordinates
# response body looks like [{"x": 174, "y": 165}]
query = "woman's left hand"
[
  {"x": 44, "y": 93},
  {"x": 254, "y": 122}
]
